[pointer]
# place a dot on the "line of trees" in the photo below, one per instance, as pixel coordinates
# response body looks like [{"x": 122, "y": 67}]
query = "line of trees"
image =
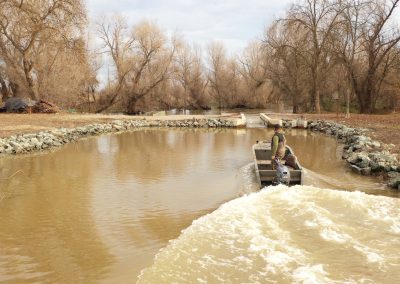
[
  {"x": 320, "y": 47},
  {"x": 323, "y": 46},
  {"x": 154, "y": 71},
  {"x": 43, "y": 53}
]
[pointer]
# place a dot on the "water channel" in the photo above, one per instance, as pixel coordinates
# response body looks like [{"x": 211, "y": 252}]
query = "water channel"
[{"x": 108, "y": 209}]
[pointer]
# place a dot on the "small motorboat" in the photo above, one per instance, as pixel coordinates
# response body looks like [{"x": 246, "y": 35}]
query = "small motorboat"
[{"x": 284, "y": 174}]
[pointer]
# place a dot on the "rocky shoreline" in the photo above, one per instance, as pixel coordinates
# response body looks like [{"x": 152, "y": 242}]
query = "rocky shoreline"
[
  {"x": 364, "y": 155},
  {"x": 45, "y": 140}
]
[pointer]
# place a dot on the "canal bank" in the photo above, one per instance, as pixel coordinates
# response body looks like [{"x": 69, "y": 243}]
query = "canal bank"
[
  {"x": 364, "y": 155},
  {"x": 44, "y": 140}
]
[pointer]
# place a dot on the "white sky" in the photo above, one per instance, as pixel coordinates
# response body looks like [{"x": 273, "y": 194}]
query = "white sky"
[{"x": 234, "y": 22}]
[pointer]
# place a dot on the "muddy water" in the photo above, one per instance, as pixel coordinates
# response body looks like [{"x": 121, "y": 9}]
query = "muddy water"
[
  {"x": 281, "y": 235},
  {"x": 101, "y": 209}
]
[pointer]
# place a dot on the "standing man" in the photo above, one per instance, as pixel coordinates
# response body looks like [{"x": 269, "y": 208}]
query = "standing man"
[{"x": 278, "y": 146}]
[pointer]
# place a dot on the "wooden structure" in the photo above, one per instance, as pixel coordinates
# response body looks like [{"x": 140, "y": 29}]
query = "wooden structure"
[{"x": 266, "y": 175}]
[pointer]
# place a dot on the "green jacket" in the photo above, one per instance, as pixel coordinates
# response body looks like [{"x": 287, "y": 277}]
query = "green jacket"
[{"x": 278, "y": 144}]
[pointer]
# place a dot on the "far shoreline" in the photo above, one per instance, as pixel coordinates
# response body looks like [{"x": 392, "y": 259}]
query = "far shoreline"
[
  {"x": 29, "y": 133},
  {"x": 383, "y": 128}
]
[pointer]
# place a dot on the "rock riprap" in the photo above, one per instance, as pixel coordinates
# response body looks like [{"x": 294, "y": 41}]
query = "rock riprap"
[
  {"x": 365, "y": 155},
  {"x": 44, "y": 140}
]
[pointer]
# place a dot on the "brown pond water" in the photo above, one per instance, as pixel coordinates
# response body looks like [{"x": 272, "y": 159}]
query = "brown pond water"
[{"x": 100, "y": 210}]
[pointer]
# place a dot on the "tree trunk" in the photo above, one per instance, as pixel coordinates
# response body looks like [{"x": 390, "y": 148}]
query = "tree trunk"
[
  {"x": 315, "y": 92},
  {"x": 131, "y": 107},
  {"x": 33, "y": 94},
  {"x": 317, "y": 102},
  {"x": 366, "y": 104},
  {"x": 295, "y": 104},
  {"x": 281, "y": 106},
  {"x": 348, "y": 103},
  {"x": 14, "y": 89},
  {"x": 365, "y": 98},
  {"x": 3, "y": 90}
]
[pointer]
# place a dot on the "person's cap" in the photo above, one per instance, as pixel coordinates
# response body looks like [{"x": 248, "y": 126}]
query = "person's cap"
[{"x": 277, "y": 127}]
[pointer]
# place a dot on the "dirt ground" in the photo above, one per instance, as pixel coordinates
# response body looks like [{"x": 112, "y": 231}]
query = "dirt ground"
[
  {"x": 384, "y": 128},
  {"x": 14, "y": 124}
]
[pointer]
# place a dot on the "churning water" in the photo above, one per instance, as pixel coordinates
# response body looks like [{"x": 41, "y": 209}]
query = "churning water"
[{"x": 300, "y": 234}]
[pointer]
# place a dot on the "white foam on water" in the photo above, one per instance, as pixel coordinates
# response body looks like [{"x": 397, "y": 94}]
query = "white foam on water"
[
  {"x": 372, "y": 256},
  {"x": 310, "y": 275},
  {"x": 331, "y": 235},
  {"x": 395, "y": 228},
  {"x": 300, "y": 234}
]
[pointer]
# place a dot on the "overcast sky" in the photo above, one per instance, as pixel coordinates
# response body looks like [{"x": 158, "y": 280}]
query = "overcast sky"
[{"x": 234, "y": 22}]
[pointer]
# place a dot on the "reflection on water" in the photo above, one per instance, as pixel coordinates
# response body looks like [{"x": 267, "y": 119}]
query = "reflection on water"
[
  {"x": 46, "y": 228},
  {"x": 100, "y": 209}
]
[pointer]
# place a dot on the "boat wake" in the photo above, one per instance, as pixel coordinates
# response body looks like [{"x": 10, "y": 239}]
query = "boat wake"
[
  {"x": 346, "y": 181},
  {"x": 247, "y": 181},
  {"x": 300, "y": 234}
]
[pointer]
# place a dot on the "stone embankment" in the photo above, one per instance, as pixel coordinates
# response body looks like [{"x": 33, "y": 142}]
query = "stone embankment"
[
  {"x": 44, "y": 140},
  {"x": 365, "y": 156}
]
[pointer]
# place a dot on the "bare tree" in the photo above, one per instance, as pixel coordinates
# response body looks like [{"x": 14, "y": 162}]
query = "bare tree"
[
  {"x": 347, "y": 47},
  {"x": 379, "y": 40},
  {"x": 118, "y": 43},
  {"x": 318, "y": 18},
  {"x": 190, "y": 76},
  {"x": 65, "y": 76},
  {"x": 216, "y": 76},
  {"x": 366, "y": 46},
  {"x": 288, "y": 65},
  {"x": 141, "y": 57},
  {"x": 253, "y": 67},
  {"x": 27, "y": 28},
  {"x": 152, "y": 60}
]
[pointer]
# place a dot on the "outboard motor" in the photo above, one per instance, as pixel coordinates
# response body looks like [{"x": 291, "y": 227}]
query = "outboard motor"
[{"x": 282, "y": 175}]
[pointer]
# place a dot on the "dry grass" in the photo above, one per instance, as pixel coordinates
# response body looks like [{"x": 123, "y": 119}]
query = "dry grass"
[
  {"x": 384, "y": 128},
  {"x": 13, "y": 124}
]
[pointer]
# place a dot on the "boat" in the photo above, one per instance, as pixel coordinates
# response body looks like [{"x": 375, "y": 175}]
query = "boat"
[{"x": 266, "y": 175}]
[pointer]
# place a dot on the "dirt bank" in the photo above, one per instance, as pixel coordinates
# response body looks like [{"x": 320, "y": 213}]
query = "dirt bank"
[
  {"x": 383, "y": 128},
  {"x": 13, "y": 124}
]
